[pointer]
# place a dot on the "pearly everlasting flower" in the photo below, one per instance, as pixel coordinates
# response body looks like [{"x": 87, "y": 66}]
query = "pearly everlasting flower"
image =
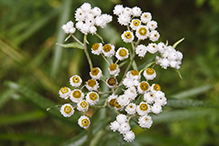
[
  {"x": 82, "y": 106},
  {"x": 152, "y": 25},
  {"x": 68, "y": 27},
  {"x": 76, "y": 95},
  {"x": 118, "y": 9},
  {"x": 131, "y": 93},
  {"x": 152, "y": 48},
  {"x": 121, "y": 118},
  {"x": 142, "y": 32},
  {"x": 111, "y": 82},
  {"x": 122, "y": 53},
  {"x": 79, "y": 25},
  {"x": 129, "y": 136},
  {"x": 146, "y": 17},
  {"x": 114, "y": 126},
  {"x": 112, "y": 99},
  {"x": 92, "y": 98},
  {"x": 149, "y": 74},
  {"x": 141, "y": 50},
  {"x": 145, "y": 121},
  {"x": 96, "y": 73},
  {"x": 67, "y": 110},
  {"x": 143, "y": 87},
  {"x": 84, "y": 122},
  {"x": 129, "y": 82},
  {"x": 97, "y": 48},
  {"x": 131, "y": 108},
  {"x": 155, "y": 88},
  {"x": 154, "y": 35},
  {"x": 156, "y": 108},
  {"x": 127, "y": 36},
  {"x": 80, "y": 15},
  {"x": 124, "y": 127},
  {"x": 64, "y": 92},
  {"x": 108, "y": 50},
  {"x": 123, "y": 100},
  {"x": 124, "y": 19},
  {"x": 127, "y": 11},
  {"x": 163, "y": 62},
  {"x": 149, "y": 97},
  {"x": 75, "y": 81},
  {"x": 96, "y": 11},
  {"x": 92, "y": 85},
  {"x": 161, "y": 47},
  {"x": 86, "y": 7},
  {"x": 160, "y": 98},
  {"x": 136, "y": 11},
  {"x": 143, "y": 109},
  {"x": 135, "y": 23},
  {"x": 133, "y": 74},
  {"x": 114, "y": 69}
]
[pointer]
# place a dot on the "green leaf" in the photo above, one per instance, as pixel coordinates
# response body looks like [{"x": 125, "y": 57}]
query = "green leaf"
[
  {"x": 187, "y": 103},
  {"x": 192, "y": 92},
  {"x": 71, "y": 45},
  {"x": 177, "y": 43},
  {"x": 148, "y": 61}
]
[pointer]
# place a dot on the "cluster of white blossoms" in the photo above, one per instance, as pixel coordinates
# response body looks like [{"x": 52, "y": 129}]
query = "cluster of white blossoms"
[
  {"x": 132, "y": 93},
  {"x": 87, "y": 20}
]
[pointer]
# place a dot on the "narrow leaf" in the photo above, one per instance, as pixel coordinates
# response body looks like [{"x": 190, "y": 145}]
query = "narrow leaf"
[
  {"x": 177, "y": 43},
  {"x": 187, "y": 103},
  {"x": 71, "y": 45},
  {"x": 148, "y": 61}
]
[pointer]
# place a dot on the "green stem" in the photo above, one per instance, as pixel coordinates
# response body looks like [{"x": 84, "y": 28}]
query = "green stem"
[{"x": 87, "y": 54}]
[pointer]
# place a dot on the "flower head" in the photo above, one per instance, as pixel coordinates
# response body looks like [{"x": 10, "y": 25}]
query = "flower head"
[
  {"x": 76, "y": 95},
  {"x": 135, "y": 23},
  {"x": 143, "y": 87},
  {"x": 67, "y": 110},
  {"x": 92, "y": 85},
  {"x": 114, "y": 69},
  {"x": 131, "y": 108},
  {"x": 127, "y": 36},
  {"x": 97, "y": 48},
  {"x": 75, "y": 81},
  {"x": 68, "y": 27},
  {"x": 122, "y": 53},
  {"x": 64, "y": 92},
  {"x": 149, "y": 74},
  {"x": 82, "y": 106},
  {"x": 143, "y": 109},
  {"x": 111, "y": 82},
  {"x": 142, "y": 32},
  {"x": 92, "y": 98},
  {"x": 145, "y": 121},
  {"x": 96, "y": 73},
  {"x": 84, "y": 122},
  {"x": 108, "y": 50},
  {"x": 146, "y": 17}
]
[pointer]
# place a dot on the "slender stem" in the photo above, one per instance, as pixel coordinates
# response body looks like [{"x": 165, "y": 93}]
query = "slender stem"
[
  {"x": 87, "y": 54},
  {"x": 77, "y": 39},
  {"x": 105, "y": 59}
]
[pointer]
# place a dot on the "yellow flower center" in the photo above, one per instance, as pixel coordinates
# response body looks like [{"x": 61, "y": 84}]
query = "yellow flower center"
[
  {"x": 83, "y": 104},
  {"x": 113, "y": 67},
  {"x": 117, "y": 105},
  {"x": 136, "y": 22},
  {"x": 67, "y": 109},
  {"x": 134, "y": 72},
  {"x": 142, "y": 31},
  {"x": 128, "y": 35},
  {"x": 143, "y": 106},
  {"x": 131, "y": 106},
  {"x": 123, "y": 52},
  {"x": 107, "y": 48},
  {"x": 95, "y": 71},
  {"x": 76, "y": 94},
  {"x": 112, "y": 102},
  {"x": 95, "y": 46},
  {"x": 151, "y": 95},
  {"x": 85, "y": 122},
  {"x": 75, "y": 79},
  {"x": 91, "y": 83},
  {"x": 157, "y": 87},
  {"x": 64, "y": 90},
  {"x": 146, "y": 16},
  {"x": 93, "y": 96},
  {"x": 150, "y": 71},
  {"x": 144, "y": 86},
  {"x": 112, "y": 81}
]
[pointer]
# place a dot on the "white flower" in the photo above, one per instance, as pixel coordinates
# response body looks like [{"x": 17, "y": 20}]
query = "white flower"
[
  {"x": 80, "y": 15},
  {"x": 118, "y": 9},
  {"x": 112, "y": 99},
  {"x": 108, "y": 50},
  {"x": 92, "y": 85},
  {"x": 161, "y": 47},
  {"x": 145, "y": 121},
  {"x": 114, "y": 69},
  {"x": 122, "y": 53},
  {"x": 160, "y": 98},
  {"x": 142, "y": 32},
  {"x": 143, "y": 87},
  {"x": 180, "y": 55},
  {"x": 131, "y": 93},
  {"x": 97, "y": 48},
  {"x": 123, "y": 100},
  {"x": 85, "y": 28},
  {"x": 127, "y": 36},
  {"x": 131, "y": 108},
  {"x": 156, "y": 108},
  {"x": 152, "y": 48},
  {"x": 127, "y": 11},
  {"x": 84, "y": 122},
  {"x": 164, "y": 63},
  {"x": 96, "y": 73},
  {"x": 82, "y": 106},
  {"x": 76, "y": 95},
  {"x": 141, "y": 50},
  {"x": 111, "y": 82},
  {"x": 64, "y": 92},
  {"x": 133, "y": 74},
  {"x": 114, "y": 126},
  {"x": 149, "y": 74},
  {"x": 92, "y": 29},
  {"x": 152, "y": 25},
  {"x": 129, "y": 136},
  {"x": 96, "y": 11},
  {"x": 136, "y": 11},
  {"x": 67, "y": 110},
  {"x": 155, "y": 88},
  {"x": 75, "y": 81},
  {"x": 149, "y": 97},
  {"x": 68, "y": 27},
  {"x": 128, "y": 82},
  {"x": 124, "y": 127},
  {"x": 121, "y": 118},
  {"x": 99, "y": 21},
  {"x": 154, "y": 35},
  {"x": 135, "y": 23},
  {"x": 107, "y": 18},
  {"x": 92, "y": 98},
  {"x": 85, "y": 7},
  {"x": 124, "y": 19},
  {"x": 143, "y": 109},
  {"x": 79, "y": 25},
  {"x": 146, "y": 17}
]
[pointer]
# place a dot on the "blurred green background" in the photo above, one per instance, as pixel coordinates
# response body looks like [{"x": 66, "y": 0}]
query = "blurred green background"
[{"x": 33, "y": 68}]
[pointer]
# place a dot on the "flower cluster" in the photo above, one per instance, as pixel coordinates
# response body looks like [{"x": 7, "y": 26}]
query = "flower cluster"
[{"x": 132, "y": 93}]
